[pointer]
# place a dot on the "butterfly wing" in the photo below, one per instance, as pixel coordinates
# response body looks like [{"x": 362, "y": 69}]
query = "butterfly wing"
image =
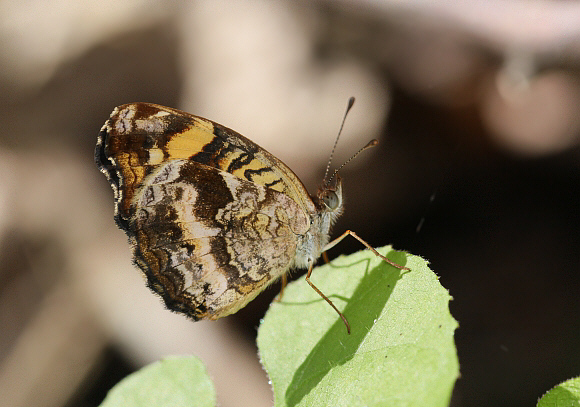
[
  {"x": 212, "y": 217},
  {"x": 139, "y": 137}
]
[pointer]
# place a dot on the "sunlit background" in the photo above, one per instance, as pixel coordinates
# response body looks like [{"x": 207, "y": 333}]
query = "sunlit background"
[{"x": 477, "y": 109}]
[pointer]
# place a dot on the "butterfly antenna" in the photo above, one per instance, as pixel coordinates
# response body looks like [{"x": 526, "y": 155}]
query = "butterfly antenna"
[
  {"x": 372, "y": 143},
  {"x": 348, "y": 107}
]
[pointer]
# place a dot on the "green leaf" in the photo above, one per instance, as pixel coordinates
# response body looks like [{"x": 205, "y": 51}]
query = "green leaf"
[
  {"x": 400, "y": 351},
  {"x": 566, "y": 394},
  {"x": 174, "y": 381}
]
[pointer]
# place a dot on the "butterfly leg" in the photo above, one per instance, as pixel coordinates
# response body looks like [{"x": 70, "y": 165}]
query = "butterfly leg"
[
  {"x": 368, "y": 246},
  {"x": 283, "y": 282},
  {"x": 325, "y": 258},
  {"x": 325, "y": 297}
]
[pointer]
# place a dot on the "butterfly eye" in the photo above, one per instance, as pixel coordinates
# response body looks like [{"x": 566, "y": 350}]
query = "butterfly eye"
[{"x": 330, "y": 199}]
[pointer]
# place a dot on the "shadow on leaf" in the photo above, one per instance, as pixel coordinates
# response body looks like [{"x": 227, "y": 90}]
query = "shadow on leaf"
[{"x": 336, "y": 347}]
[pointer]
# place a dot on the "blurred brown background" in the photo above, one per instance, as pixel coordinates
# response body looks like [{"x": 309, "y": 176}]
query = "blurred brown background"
[{"x": 477, "y": 108}]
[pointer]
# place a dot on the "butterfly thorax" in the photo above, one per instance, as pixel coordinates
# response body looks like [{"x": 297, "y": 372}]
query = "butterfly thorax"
[{"x": 329, "y": 206}]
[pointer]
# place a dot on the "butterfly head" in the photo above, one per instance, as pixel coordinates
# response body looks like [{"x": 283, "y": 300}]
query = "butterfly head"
[{"x": 329, "y": 198}]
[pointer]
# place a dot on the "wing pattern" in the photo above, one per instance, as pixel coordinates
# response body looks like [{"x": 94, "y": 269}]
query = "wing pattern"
[{"x": 212, "y": 217}]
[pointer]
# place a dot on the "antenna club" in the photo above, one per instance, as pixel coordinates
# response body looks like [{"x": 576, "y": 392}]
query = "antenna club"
[
  {"x": 350, "y": 103},
  {"x": 373, "y": 143}
]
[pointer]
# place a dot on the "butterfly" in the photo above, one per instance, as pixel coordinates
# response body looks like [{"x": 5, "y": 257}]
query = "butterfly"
[{"x": 212, "y": 217}]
